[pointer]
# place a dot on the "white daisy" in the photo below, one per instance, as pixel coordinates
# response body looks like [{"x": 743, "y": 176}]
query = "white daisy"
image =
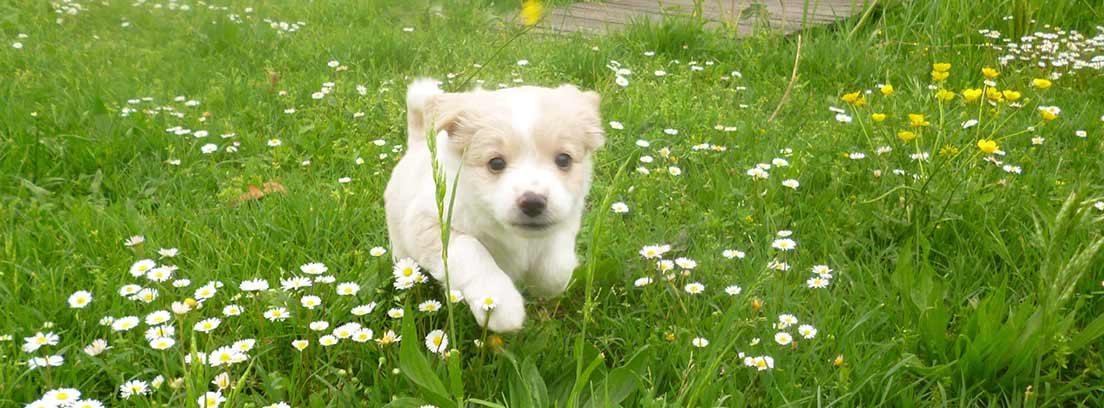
[
  {"x": 364, "y": 309},
  {"x": 124, "y": 323},
  {"x": 162, "y": 343},
  {"x": 429, "y": 306},
  {"x": 437, "y": 341},
  {"x": 348, "y": 289},
  {"x": 277, "y": 314},
  {"x": 313, "y": 268},
  {"x": 310, "y": 301},
  {"x": 141, "y": 267},
  {"x": 784, "y": 244},
  {"x": 694, "y": 288},
  {"x": 807, "y": 331},
  {"x": 406, "y": 268},
  {"x": 732, "y": 253},
  {"x": 96, "y": 348},
  {"x": 783, "y": 338},
  {"x": 80, "y": 299},
  {"x": 207, "y": 325}
]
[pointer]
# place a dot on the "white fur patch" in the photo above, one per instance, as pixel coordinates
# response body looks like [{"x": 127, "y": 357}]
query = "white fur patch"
[{"x": 524, "y": 109}]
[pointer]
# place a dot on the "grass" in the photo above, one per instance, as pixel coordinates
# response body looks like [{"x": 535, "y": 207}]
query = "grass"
[{"x": 955, "y": 283}]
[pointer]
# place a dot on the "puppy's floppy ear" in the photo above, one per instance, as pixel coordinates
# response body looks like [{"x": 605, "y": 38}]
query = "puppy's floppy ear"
[
  {"x": 595, "y": 137},
  {"x": 591, "y": 115},
  {"x": 446, "y": 112}
]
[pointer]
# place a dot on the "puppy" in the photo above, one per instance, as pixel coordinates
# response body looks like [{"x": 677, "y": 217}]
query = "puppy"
[{"x": 524, "y": 160}]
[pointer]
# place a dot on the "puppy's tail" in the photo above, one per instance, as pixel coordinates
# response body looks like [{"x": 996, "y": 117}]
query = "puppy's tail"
[{"x": 417, "y": 96}]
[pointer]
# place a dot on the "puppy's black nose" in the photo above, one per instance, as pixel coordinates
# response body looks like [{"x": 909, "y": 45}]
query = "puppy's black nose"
[{"x": 532, "y": 204}]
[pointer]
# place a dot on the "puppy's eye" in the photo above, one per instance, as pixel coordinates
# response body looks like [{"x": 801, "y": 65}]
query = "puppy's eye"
[
  {"x": 563, "y": 160},
  {"x": 497, "y": 164}
]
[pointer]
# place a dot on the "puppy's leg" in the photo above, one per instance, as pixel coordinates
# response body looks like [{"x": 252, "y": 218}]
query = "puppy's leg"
[
  {"x": 551, "y": 276},
  {"x": 472, "y": 271},
  {"x": 471, "y": 263}
]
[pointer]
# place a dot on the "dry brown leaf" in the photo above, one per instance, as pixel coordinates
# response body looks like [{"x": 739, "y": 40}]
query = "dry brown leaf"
[{"x": 257, "y": 193}]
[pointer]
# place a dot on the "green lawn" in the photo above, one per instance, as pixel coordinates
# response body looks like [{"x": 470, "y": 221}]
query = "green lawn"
[{"x": 958, "y": 277}]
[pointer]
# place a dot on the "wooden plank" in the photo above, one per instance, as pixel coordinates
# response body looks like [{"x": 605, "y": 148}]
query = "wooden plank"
[{"x": 786, "y": 15}]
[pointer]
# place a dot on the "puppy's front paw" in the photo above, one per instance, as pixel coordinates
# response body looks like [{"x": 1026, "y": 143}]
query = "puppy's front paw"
[{"x": 502, "y": 309}]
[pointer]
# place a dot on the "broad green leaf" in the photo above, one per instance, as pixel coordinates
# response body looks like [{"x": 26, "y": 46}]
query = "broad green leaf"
[
  {"x": 415, "y": 366},
  {"x": 621, "y": 381}
]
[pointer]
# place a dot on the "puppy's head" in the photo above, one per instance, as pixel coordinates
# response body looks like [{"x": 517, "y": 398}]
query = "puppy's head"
[{"x": 525, "y": 152}]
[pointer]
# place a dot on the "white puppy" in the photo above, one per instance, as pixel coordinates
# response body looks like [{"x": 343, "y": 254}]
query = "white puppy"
[{"x": 524, "y": 157}]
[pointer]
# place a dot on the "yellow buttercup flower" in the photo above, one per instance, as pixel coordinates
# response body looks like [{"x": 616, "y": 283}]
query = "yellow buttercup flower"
[
  {"x": 940, "y": 75},
  {"x": 906, "y": 136},
  {"x": 917, "y": 120},
  {"x": 971, "y": 95},
  {"x": 944, "y": 95},
  {"x": 855, "y": 98},
  {"x": 990, "y": 72},
  {"x": 987, "y": 145},
  {"x": 1049, "y": 112},
  {"x": 887, "y": 89},
  {"x": 994, "y": 95},
  {"x": 531, "y": 12},
  {"x": 1041, "y": 83},
  {"x": 878, "y": 117},
  {"x": 941, "y": 67},
  {"x": 1011, "y": 95}
]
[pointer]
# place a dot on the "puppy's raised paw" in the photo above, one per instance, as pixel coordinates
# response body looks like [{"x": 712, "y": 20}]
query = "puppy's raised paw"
[{"x": 502, "y": 310}]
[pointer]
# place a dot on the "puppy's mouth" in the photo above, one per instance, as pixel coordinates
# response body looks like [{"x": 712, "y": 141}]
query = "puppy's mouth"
[{"x": 534, "y": 226}]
